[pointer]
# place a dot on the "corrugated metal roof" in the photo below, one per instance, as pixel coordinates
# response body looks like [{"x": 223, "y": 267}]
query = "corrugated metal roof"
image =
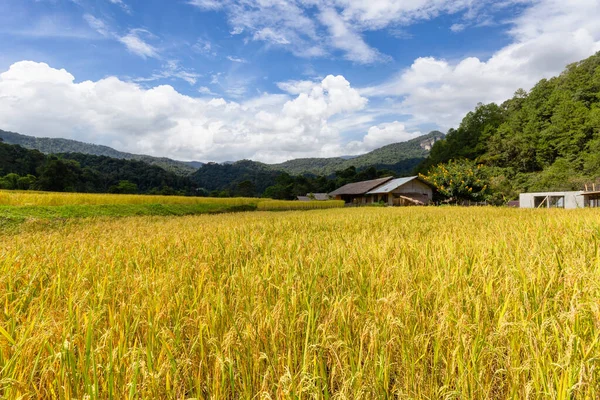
[
  {"x": 392, "y": 185},
  {"x": 359, "y": 188}
]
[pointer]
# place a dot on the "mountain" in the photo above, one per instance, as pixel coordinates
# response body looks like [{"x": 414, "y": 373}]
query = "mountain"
[
  {"x": 544, "y": 140},
  {"x": 400, "y": 158},
  {"x": 57, "y": 146}
]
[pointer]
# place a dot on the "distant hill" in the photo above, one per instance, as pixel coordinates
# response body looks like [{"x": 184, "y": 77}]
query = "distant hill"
[
  {"x": 59, "y": 146},
  {"x": 401, "y": 158}
]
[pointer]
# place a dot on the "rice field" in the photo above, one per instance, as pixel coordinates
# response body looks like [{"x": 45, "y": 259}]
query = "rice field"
[
  {"x": 360, "y": 303},
  {"x": 15, "y": 198},
  {"x": 32, "y": 198}
]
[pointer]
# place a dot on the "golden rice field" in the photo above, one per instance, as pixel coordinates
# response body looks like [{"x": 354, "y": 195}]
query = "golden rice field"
[
  {"x": 361, "y": 303},
  {"x": 30, "y": 198}
]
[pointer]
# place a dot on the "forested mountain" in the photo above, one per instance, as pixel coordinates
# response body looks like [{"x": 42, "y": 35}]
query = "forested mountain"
[
  {"x": 402, "y": 158},
  {"x": 547, "y": 139},
  {"x": 22, "y": 168},
  {"x": 58, "y": 146}
]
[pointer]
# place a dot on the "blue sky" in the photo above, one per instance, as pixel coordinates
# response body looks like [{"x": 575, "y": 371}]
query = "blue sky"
[{"x": 272, "y": 80}]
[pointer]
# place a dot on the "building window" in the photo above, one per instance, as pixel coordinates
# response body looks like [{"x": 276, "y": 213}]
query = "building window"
[{"x": 557, "y": 202}]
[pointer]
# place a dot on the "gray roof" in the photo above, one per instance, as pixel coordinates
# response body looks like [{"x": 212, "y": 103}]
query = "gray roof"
[
  {"x": 359, "y": 188},
  {"x": 314, "y": 196},
  {"x": 395, "y": 184}
]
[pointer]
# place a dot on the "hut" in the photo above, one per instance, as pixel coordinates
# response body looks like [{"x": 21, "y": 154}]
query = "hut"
[
  {"x": 356, "y": 193},
  {"x": 409, "y": 191}
]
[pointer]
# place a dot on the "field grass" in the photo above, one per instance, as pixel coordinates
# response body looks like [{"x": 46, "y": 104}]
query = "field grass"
[{"x": 361, "y": 303}]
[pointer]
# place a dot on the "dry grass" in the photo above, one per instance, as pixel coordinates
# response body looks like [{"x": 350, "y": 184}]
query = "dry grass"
[{"x": 367, "y": 303}]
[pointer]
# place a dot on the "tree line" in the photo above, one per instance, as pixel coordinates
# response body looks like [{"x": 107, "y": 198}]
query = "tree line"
[{"x": 546, "y": 139}]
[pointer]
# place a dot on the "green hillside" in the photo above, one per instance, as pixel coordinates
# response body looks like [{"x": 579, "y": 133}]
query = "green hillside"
[
  {"x": 547, "y": 139},
  {"x": 26, "y": 169},
  {"x": 401, "y": 158},
  {"x": 58, "y": 146}
]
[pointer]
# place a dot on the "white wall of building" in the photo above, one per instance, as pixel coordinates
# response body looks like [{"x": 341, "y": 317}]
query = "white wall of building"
[{"x": 570, "y": 200}]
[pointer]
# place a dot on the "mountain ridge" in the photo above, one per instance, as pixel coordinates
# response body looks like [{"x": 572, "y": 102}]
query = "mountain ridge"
[
  {"x": 59, "y": 145},
  {"x": 398, "y": 157}
]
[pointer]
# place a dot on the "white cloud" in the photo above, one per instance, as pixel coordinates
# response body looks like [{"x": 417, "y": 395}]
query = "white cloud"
[
  {"x": 269, "y": 35},
  {"x": 122, "y": 4},
  {"x": 458, "y": 28},
  {"x": 136, "y": 45},
  {"x": 381, "y": 135},
  {"x": 340, "y": 24},
  {"x": 296, "y": 87},
  {"x": 40, "y": 100},
  {"x": 171, "y": 69},
  {"x": 207, "y": 4},
  {"x": 98, "y": 25},
  {"x": 343, "y": 37},
  {"x": 206, "y": 91},
  {"x": 547, "y": 36},
  {"x": 133, "y": 40},
  {"x": 236, "y": 59}
]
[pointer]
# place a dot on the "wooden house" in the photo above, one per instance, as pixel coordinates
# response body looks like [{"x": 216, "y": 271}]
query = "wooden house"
[
  {"x": 394, "y": 192},
  {"x": 410, "y": 191},
  {"x": 356, "y": 193}
]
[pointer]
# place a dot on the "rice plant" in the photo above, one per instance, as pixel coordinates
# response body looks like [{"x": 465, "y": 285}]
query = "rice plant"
[{"x": 360, "y": 303}]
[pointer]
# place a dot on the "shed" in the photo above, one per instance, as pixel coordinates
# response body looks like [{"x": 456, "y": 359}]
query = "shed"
[
  {"x": 567, "y": 200},
  {"x": 356, "y": 192},
  {"x": 407, "y": 191}
]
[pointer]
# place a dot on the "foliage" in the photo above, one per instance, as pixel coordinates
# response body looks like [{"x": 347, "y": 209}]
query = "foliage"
[
  {"x": 460, "y": 180},
  {"x": 547, "y": 139},
  {"x": 370, "y": 303},
  {"x": 72, "y": 172}
]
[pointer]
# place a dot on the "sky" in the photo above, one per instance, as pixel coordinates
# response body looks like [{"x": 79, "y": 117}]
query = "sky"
[{"x": 273, "y": 80}]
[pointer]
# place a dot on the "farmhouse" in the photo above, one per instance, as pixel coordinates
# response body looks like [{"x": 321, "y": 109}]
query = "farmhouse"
[
  {"x": 356, "y": 193},
  {"x": 394, "y": 192},
  {"x": 411, "y": 191}
]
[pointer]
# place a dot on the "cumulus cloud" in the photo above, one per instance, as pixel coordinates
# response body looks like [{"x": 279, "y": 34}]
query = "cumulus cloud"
[
  {"x": 40, "y": 100},
  {"x": 381, "y": 135},
  {"x": 547, "y": 36}
]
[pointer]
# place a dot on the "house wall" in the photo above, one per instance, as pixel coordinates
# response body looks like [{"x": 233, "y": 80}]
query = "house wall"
[
  {"x": 572, "y": 199},
  {"x": 414, "y": 186}
]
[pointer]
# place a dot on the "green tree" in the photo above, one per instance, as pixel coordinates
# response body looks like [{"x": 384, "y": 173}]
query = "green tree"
[
  {"x": 460, "y": 180},
  {"x": 124, "y": 187}
]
